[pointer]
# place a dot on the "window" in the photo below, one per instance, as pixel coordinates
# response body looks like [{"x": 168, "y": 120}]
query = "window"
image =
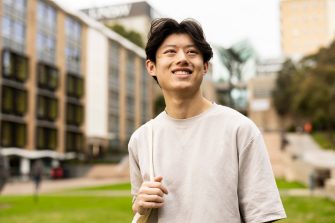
[
  {"x": 20, "y": 5},
  {"x": 14, "y": 101},
  {"x": 19, "y": 32},
  {"x": 74, "y": 114},
  {"x": 74, "y": 86},
  {"x": 46, "y": 138},
  {"x": 6, "y": 27},
  {"x": 48, "y": 77},
  {"x": 46, "y": 35},
  {"x": 14, "y": 66},
  {"x": 74, "y": 141},
  {"x": 47, "y": 108},
  {"x": 73, "y": 44},
  {"x": 13, "y": 134}
]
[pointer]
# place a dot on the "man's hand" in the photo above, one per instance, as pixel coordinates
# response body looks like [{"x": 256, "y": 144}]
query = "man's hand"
[{"x": 150, "y": 195}]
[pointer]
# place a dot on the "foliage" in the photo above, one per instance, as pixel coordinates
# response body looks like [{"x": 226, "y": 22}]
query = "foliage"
[
  {"x": 306, "y": 89},
  {"x": 235, "y": 59},
  {"x": 284, "y": 92},
  {"x": 131, "y": 35}
]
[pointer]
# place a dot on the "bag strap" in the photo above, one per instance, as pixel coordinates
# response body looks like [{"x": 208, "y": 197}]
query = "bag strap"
[{"x": 151, "y": 159}]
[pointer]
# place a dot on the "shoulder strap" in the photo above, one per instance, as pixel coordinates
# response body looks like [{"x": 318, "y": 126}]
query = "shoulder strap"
[{"x": 151, "y": 159}]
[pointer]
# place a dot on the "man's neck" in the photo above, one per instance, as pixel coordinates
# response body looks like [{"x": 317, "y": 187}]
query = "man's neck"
[{"x": 182, "y": 108}]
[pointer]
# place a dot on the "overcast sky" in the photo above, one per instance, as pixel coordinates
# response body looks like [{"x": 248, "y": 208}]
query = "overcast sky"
[{"x": 224, "y": 21}]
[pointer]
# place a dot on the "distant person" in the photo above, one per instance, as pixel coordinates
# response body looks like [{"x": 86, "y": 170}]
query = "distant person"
[
  {"x": 308, "y": 127},
  {"x": 3, "y": 172},
  {"x": 210, "y": 162},
  {"x": 37, "y": 174}
]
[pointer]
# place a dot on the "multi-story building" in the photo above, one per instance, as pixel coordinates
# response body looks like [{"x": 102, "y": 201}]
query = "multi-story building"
[
  {"x": 67, "y": 83},
  {"x": 136, "y": 15},
  {"x": 306, "y": 25},
  {"x": 261, "y": 109}
]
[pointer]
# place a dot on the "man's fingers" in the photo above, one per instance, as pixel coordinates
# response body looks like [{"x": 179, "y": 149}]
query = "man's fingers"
[
  {"x": 143, "y": 205},
  {"x": 158, "y": 179},
  {"x": 152, "y": 198},
  {"x": 157, "y": 183},
  {"x": 152, "y": 191}
]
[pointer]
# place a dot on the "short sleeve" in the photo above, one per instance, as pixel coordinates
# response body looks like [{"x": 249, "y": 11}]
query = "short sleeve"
[
  {"x": 259, "y": 199},
  {"x": 134, "y": 169}
]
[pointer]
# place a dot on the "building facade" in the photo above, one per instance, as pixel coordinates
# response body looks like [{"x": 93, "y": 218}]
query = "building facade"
[
  {"x": 61, "y": 88},
  {"x": 135, "y": 16},
  {"x": 306, "y": 25}
]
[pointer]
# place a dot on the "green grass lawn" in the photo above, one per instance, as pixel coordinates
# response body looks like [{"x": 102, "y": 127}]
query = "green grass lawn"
[
  {"x": 123, "y": 186},
  {"x": 283, "y": 184},
  {"x": 114, "y": 209},
  {"x": 60, "y": 209},
  {"x": 322, "y": 138},
  {"x": 308, "y": 210}
]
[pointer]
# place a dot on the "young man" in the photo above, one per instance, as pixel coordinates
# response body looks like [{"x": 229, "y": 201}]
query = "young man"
[{"x": 210, "y": 161}]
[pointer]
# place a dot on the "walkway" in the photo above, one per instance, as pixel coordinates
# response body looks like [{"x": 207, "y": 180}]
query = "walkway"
[{"x": 48, "y": 186}]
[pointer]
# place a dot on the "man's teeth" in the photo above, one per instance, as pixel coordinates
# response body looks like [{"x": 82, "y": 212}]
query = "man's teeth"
[{"x": 182, "y": 72}]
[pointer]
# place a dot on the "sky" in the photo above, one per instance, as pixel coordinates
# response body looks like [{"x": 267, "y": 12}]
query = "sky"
[{"x": 225, "y": 22}]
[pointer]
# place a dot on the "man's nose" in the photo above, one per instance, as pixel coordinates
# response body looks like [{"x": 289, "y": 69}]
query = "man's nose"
[{"x": 181, "y": 57}]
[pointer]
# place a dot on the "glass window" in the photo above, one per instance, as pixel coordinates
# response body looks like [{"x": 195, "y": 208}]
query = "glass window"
[
  {"x": 80, "y": 87},
  {"x": 41, "y": 11},
  {"x": 22, "y": 68},
  {"x": 53, "y": 139},
  {"x": 20, "y": 5},
  {"x": 21, "y": 102},
  {"x": 7, "y": 99},
  {"x": 20, "y": 135},
  {"x": 53, "y": 78},
  {"x": 50, "y": 44},
  {"x": 19, "y": 32},
  {"x": 40, "y": 41},
  {"x": 41, "y": 107},
  {"x": 6, "y": 27},
  {"x": 13, "y": 134},
  {"x": 51, "y": 18},
  {"x": 46, "y": 138},
  {"x": 6, "y": 134},
  {"x": 42, "y": 76},
  {"x": 7, "y": 64},
  {"x": 40, "y": 138},
  {"x": 53, "y": 109}
]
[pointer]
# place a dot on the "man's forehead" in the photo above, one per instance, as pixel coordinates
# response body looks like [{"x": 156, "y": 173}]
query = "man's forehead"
[{"x": 178, "y": 39}]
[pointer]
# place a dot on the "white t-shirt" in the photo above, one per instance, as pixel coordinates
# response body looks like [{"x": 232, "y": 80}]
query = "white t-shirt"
[{"x": 215, "y": 167}]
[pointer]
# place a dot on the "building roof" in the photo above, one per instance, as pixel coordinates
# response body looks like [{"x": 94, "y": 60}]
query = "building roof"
[{"x": 91, "y": 23}]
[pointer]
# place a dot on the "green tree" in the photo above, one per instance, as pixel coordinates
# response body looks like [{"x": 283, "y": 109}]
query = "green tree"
[
  {"x": 234, "y": 59},
  {"x": 131, "y": 35},
  {"x": 284, "y": 90}
]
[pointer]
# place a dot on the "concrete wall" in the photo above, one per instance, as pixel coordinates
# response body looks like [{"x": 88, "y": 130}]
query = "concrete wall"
[{"x": 96, "y": 84}]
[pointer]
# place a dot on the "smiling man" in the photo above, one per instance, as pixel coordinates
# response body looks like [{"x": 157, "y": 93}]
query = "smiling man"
[{"x": 210, "y": 161}]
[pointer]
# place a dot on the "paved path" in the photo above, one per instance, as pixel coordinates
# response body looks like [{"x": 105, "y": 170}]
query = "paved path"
[
  {"x": 303, "y": 192},
  {"x": 48, "y": 186},
  {"x": 304, "y": 147},
  {"x": 272, "y": 141}
]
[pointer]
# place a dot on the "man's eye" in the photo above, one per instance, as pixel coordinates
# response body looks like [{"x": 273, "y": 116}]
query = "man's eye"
[
  {"x": 192, "y": 52},
  {"x": 169, "y": 51}
]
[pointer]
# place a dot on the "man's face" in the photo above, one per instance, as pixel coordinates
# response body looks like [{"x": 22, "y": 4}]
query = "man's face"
[{"x": 179, "y": 65}]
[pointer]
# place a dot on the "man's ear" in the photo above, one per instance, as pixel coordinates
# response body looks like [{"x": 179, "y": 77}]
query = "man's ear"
[
  {"x": 206, "y": 64},
  {"x": 151, "y": 68}
]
